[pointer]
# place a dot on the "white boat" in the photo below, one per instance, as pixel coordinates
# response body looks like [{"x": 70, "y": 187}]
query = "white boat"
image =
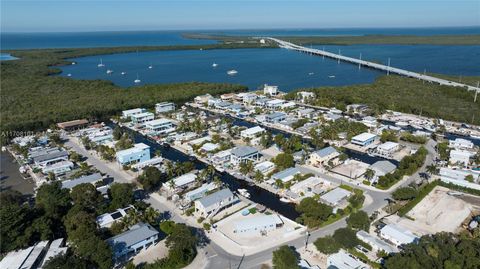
[
  {"x": 101, "y": 63},
  {"x": 331, "y": 76},
  {"x": 4, "y": 148},
  {"x": 69, "y": 75},
  {"x": 74, "y": 63},
  {"x": 214, "y": 65},
  {"x": 401, "y": 124},
  {"x": 123, "y": 73},
  {"x": 109, "y": 71},
  {"x": 475, "y": 136},
  {"x": 150, "y": 66},
  {"x": 137, "y": 80},
  {"x": 232, "y": 72},
  {"x": 244, "y": 193},
  {"x": 284, "y": 200},
  {"x": 311, "y": 73}
]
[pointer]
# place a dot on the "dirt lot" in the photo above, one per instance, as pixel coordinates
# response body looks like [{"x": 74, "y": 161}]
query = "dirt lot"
[{"x": 440, "y": 211}]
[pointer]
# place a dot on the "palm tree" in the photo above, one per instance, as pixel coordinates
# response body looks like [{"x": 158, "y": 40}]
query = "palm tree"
[
  {"x": 150, "y": 215},
  {"x": 369, "y": 174},
  {"x": 432, "y": 169}
]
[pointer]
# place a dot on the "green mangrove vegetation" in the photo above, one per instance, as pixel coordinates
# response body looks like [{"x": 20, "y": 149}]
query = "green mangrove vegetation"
[{"x": 402, "y": 94}]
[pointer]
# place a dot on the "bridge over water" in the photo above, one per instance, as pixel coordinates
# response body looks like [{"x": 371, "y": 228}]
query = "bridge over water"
[{"x": 387, "y": 68}]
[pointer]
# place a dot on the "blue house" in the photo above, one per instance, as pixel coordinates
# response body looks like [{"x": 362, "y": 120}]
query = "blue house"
[{"x": 139, "y": 153}]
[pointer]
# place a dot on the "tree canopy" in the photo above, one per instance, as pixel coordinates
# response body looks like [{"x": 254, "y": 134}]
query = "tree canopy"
[
  {"x": 359, "y": 220},
  {"x": 312, "y": 212},
  {"x": 285, "y": 258}
]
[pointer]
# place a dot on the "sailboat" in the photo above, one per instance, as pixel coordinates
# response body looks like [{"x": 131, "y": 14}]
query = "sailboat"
[
  {"x": 109, "y": 71},
  {"x": 137, "y": 80},
  {"x": 101, "y": 63}
]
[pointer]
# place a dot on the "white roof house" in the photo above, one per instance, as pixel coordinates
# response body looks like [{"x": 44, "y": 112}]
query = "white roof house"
[
  {"x": 382, "y": 168},
  {"x": 387, "y": 149},
  {"x": 92, "y": 179},
  {"x": 209, "y": 147},
  {"x": 183, "y": 181},
  {"x": 286, "y": 175},
  {"x": 308, "y": 184},
  {"x": 25, "y": 258},
  {"x": 344, "y": 260},
  {"x": 243, "y": 154},
  {"x": 460, "y": 156},
  {"x": 460, "y": 143},
  {"x": 270, "y": 90},
  {"x": 107, "y": 219},
  {"x": 210, "y": 205},
  {"x": 252, "y": 132},
  {"x": 221, "y": 157},
  {"x": 138, "y": 237},
  {"x": 335, "y": 196},
  {"x": 160, "y": 126},
  {"x": 363, "y": 139},
  {"x": 56, "y": 248},
  {"x": 257, "y": 224},
  {"x": 376, "y": 243},
  {"x": 130, "y": 112},
  {"x": 164, "y": 107},
  {"x": 397, "y": 235},
  {"x": 264, "y": 167},
  {"x": 199, "y": 192},
  {"x": 142, "y": 117}
]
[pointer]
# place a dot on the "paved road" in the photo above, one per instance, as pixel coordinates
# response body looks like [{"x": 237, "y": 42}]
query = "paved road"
[{"x": 117, "y": 174}]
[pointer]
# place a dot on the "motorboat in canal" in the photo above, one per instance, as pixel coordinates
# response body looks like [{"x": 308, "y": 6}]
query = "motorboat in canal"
[
  {"x": 244, "y": 193},
  {"x": 232, "y": 72},
  {"x": 401, "y": 124},
  {"x": 284, "y": 200}
]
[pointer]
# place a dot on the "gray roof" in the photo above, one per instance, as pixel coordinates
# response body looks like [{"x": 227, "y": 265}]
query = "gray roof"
[
  {"x": 286, "y": 173},
  {"x": 50, "y": 155},
  {"x": 325, "y": 151},
  {"x": 334, "y": 196},
  {"x": 384, "y": 166},
  {"x": 137, "y": 233},
  {"x": 242, "y": 151},
  {"x": 276, "y": 114},
  {"x": 69, "y": 184},
  {"x": 215, "y": 197}
]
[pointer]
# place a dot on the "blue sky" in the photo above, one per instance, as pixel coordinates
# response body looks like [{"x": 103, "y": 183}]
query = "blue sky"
[{"x": 89, "y": 15}]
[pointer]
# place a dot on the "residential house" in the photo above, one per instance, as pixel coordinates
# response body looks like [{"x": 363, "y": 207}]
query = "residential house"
[
  {"x": 202, "y": 99},
  {"x": 253, "y": 132},
  {"x": 363, "y": 139},
  {"x": 72, "y": 125},
  {"x": 221, "y": 157},
  {"x": 129, "y": 243},
  {"x": 345, "y": 260},
  {"x": 324, "y": 157},
  {"x": 199, "y": 192},
  {"x": 460, "y": 143},
  {"x": 258, "y": 224},
  {"x": 142, "y": 117},
  {"x": 44, "y": 156},
  {"x": 381, "y": 168},
  {"x": 274, "y": 103},
  {"x": 310, "y": 186},
  {"x": 58, "y": 168},
  {"x": 332, "y": 117},
  {"x": 131, "y": 112},
  {"x": 160, "y": 126},
  {"x": 270, "y": 90},
  {"x": 306, "y": 113},
  {"x": 286, "y": 175},
  {"x": 92, "y": 179},
  {"x": 182, "y": 182},
  {"x": 106, "y": 220},
  {"x": 461, "y": 157},
  {"x": 305, "y": 96},
  {"x": 243, "y": 154},
  {"x": 335, "y": 197},
  {"x": 264, "y": 167},
  {"x": 397, "y": 235},
  {"x": 210, "y": 205},
  {"x": 164, "y": 107},
  {"x": 376, "y": 243},
  {"x": 228, "y": 96},
  {"x": 275, "y": 117},
  {"x": 138, "y": 153},
  {"x": 387, "y": 149},
  {"x": 370, "y": 121},
  {"x": 209, "y": 147}
]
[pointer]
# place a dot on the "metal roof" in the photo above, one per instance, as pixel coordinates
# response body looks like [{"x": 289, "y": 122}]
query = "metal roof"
[
  {"x": 334, "y": 196},
  {"x": 50, "y": 155},
  {"x": 383, "y": 166},
  {"x": 215, "y": 197},
  {"x": 242, "y": 151},
  {"x": 398, "y": 233},
  {"x": 69, "y": 184},
  {"x": 292, "y": 171},
  {"x": 325, "y": 151},
  {"x": 364, "y": 137},
  {"x": 137, "y": 233},
  {"x": 257, "y": 222}
]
